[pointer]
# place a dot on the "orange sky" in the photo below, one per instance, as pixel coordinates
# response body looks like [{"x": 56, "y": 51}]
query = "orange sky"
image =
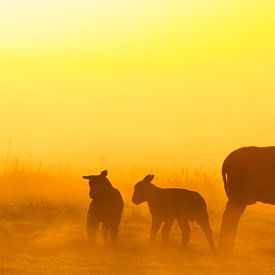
[{"x": 157, "y": 83}]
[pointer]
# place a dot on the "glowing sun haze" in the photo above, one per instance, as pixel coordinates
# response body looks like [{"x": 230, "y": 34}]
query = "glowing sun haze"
[{"x": 157, "y": 83}]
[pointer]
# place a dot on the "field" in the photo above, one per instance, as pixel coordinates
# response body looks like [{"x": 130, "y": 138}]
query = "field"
[{"x": 42, "y": 228}]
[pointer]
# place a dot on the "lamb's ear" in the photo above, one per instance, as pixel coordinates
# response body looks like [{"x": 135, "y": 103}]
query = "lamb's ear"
[
  {"x": 147, "y": 179},
  {"x": 87, "y": 177},
  {"x": 104, "y": 173}
]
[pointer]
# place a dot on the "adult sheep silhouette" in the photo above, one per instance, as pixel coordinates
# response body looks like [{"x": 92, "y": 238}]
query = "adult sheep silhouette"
[
  {"x": 105, "y": 208},
  {"x": 249, "y": 176},
  {"x": 169, "y": 204}
]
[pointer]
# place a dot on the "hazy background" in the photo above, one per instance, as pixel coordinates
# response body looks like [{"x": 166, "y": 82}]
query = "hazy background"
[
  {"x": 93, "y": 84},
  {"x": 166, "y": 87}
]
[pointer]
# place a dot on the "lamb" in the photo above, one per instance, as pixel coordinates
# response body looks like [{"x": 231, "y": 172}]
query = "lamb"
[{"x": 169, "y": 204}]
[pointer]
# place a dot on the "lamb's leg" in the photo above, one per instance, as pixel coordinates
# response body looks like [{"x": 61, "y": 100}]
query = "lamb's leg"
[
  {"x": 205, "y": 226},
  {"x": 92, "y": 227},
  {"x": 185, "y": 231},
  {"x": 114, "y": 234},
  {"x": 156, "y": 223},
  {"x": 166, "y": 230},
  {"x": 92, "y": 223},
  {"x": 104, "y": 232}
]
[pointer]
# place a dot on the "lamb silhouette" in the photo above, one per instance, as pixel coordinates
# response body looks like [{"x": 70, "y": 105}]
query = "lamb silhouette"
[
  {"x": 249, "y": 176},
  {"x": 169, "y": 204},
  {"x": 105, "y": 208}
]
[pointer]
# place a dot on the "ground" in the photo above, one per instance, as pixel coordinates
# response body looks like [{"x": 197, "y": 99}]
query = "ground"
[{"x": 48, "y": 237}]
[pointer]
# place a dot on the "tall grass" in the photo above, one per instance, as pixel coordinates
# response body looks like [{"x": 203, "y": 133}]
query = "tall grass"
[{"x": 26, "y": 180}]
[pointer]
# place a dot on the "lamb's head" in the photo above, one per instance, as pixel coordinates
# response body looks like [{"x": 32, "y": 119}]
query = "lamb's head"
[
  {"x": 99, "y": 184},
  {"x": 142, "y": 190}
]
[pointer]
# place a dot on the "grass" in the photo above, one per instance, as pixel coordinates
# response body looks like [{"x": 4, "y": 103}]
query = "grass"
[{"x": 42, "y": 229}]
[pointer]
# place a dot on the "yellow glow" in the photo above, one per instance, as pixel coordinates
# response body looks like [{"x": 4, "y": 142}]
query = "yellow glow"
[{"x": 170, "y": 83}]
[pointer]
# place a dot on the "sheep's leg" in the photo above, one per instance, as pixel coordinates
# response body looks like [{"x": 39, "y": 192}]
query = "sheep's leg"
[
  {"x": 185, "y": 231},
  {"x": 114, "y": 234},
  {"x": 166, "y": 230},
  {"x": 230, "y": 220},
  {"x": 104, "y": 232},
  {"x": 92, "y": 227},
  {"x": 156, "y": 223},
  {"x": 92, "y": 223},
  {"x": 205, "y": 226}
]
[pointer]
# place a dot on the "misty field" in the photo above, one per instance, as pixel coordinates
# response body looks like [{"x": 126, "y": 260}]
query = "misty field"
[{"x": 42, "y": 228}]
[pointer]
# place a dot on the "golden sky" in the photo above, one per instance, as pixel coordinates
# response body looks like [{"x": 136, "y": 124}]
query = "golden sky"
[{"x": 157, "y": 83}]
